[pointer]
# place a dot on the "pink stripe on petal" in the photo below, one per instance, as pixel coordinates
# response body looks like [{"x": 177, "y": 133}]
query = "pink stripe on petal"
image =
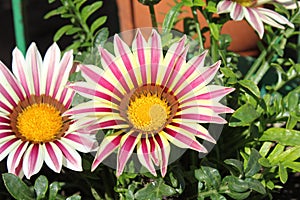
[
  {"x": 145, "y": 156},
  {"x": 5, "y": 107},
  {"x": 97, "y": 78},
  {"x": 194, "y": 131},
  {"x": 68, "y": 155},
  {"x": 217, "y": 93},
  {"x": 179, "y": 55},
  {"x": 34, "y": 67},
  {"x": 12, "y": 81},
  {"x": 7, "y": 96},
  {"x": 106, "y": 150},
  {"x": 4, "y": 120},
  {"x": 53, "y": 156},
  {"x": 140, "y": 45},
  {"x": 223, "y": 6},
  {"x": 108, "y": 59},
  {"x": 106, "y": 124},
  {"x": 93, "y": 110},
  {"x": 153, "y": 151},
  {"x": 5, "y": 127},
  {"x": 202, "y": 118},
  {"x": 51, "y": 68},
  {"x": 255, "y": 21},
  {"x": 32, "y": 161},
  {"x": 126, "y": 61},
  {"x": 125, "y": 151},
  {"x": 237, "y": 12},
  {"x": 185, "y": 140},
  {"x": 7, "y": 144},
  {"x": 156, "y": 52},
  {"x": 63, "y": 97},
  {"x": 16, "y": 157},
  {"x": 165, "y": 152}
]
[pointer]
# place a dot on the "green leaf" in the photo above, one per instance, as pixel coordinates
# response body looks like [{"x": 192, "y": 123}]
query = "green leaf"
[
  {"x": 53, "y": 190},
  {"x": 74, "y": 197},
  {"x": 211, "y": 7},
  {"x": 96, "y": 24},
  {"x": 170, "y": 17},
  {"x": 58, "y": 11},
  {"x": 293, "y": 165},
  {"x": 276, "y": 152},
  {"x": 254, "y": 184},
  {"x": 73, "y": 30},
  {"x": 238, "y": 196},
  {"x": 244, "y": 116},
  {"x": 95, "y": 194},
  {"x": 282, "y": 136},
  {"x": 79, "y": 4},
  {"x": 235, "y": 184},
  {"x": 61, "y": 32},
  {"x": 236, "y": 164},
  {"x": 289, "y": 155},
  {"x": 101, "y": 37},
  {"x": 17, "y": 188},
  {"x": 283, "y": 175},
  {"x": 155, "y": 190},
  {"x": 214, "y": 30},
  {"x": 265, "y": 148},
  {"x": 188, "y": 3},
  {"x": 41, "y": 187},
  {"x": 252, "y": 166},
  {"x": 89, "y": 10},
  {"x": 210, "y": 176},
  {"x": 251, "y": 86},
  {"x": 199, "y": 3}
]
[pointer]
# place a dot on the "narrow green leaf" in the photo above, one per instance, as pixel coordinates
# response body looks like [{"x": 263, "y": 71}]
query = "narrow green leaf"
[
  {"x": 238, "y": 196},
  {"x": 283, "y": 175},
  {"x": 96, "y": 24},
  {"x": 74, "y": 197},
  {"x": 170, "y": 17},
  {"x": 254, "y": 184},
  {"x": 251, "y": 86},
  {"x": 79, "y": 3},
  {"x": 282, "y": 136},
  {"x": 17, "y": 188},
  {"x": 95, "y": 194},
  {"x": 289, "y": 155},
  {"x": 235, "y": 184},
  {"x": 214, "y": 30},
  {"x": 41, "y": 186},
  {"x": 265, "y": 148},
  {"x": 89, "y": 10},
  {"x": 276, "y": 152},
  {"x": 293, "y": 165},
  {"x": 57, "y": 11},
  {"x": 73, "y": 30},
  {"x": 244, "y": 116},
  {"x": 199, "y": 3},
  {"x": 253, "y": 166},
  {"x": 236, "y": 164},
  {"x": 61, "y": 32},
  {"x": 188, "y": 3}
]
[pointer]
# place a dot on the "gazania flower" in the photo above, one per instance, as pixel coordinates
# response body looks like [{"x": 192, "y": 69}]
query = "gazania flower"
[
  {"x": 253, "y": 13},
  {"x": 153, "y": 100},
  {"x": 32, "y": 103}
]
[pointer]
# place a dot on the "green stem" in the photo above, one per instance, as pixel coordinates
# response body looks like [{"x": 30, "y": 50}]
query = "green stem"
[
  {"x": 261, "y": 72},
  {"x": 214, "y": 49},
  {"x": 198, "y": 29},
  {"x": 153, "y": 17},
  {"x": 282, "y": 82},
  {"x": 19, "y": 25}
]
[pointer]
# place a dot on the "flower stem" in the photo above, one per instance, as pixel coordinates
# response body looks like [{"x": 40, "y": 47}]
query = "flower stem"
[
  {"x": 198, "y": 29},
  {"x": 153, "y": 17}
]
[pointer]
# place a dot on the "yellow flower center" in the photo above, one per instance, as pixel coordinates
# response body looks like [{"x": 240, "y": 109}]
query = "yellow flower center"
[
  {"x": 246, "y": 3},
  {"x": 39, "y": 122},
  {"x": 148, "y": 112}
]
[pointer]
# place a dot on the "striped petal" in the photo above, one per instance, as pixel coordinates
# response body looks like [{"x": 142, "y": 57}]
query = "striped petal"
[
  {"x": 14, "y": 158},
  {"x": 144, "y": 155},
  {"x": 225, "y": 6},
  {"x": 107, "y": 146},
  {"x": 7, "y": 145},
  {"x": 33, "y": 160},
  {"x": 127, "y": 145},
  {"x": 80, "y": 142},
  {"x": 71, "y": 159},
  {"x": 253, "y": 18},
  {"x": 53, "y": 156},
  {"x": 182, "y": 138},
  {"x": 237, "y": 12},
  {"x": 164, "y": 146}
]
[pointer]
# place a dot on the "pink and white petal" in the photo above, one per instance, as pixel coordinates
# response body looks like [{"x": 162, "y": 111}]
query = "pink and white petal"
[
  {"x": 71, "y": 158},
  {"x": 109, "y": 64},
  {"x": 170, "y": 61},
  {"x": 14, "y": 158},
  {"x": 4, "y": 119},
  {"x": 11, "y": 84},
  {"x": 53, "y": 156},
  {"x": 64, "y": 68},
  {"x": 141, "y": 51},
  {"x": 66, "y": 97},
  {"x": 273, "y": 16},
  {"x": 80, "y": 142},
  {"x": 90, "y": 91},
  {"x": 164, "y": 152},
  {"x": 189, "y": 86},
  {"x": 34, "y": 63},
  {"x": 110, "y": 143},
  {"x": 5, "y": 107},
  {"x": 182, "y": 138},
  {"x": 98, "y": 76},
  {"x": 19, "y": 70},
  {"x": 254, "y": 20},
  {"x": 237, "y": 12},
  {"x": 79, "y": 124},
  {"x": 195, "y": 129},
  {"x": 113, "y": 121},
  {"x": 7, "y": 145},
  {"x": 49, "y": 71},
  {"x": 8, "y": 95},
  {"x": 209, "y": 92},
  {"x": 188, "y": 71},
  {"x": 33, "y": 160},
  {"x": 18, "y": 171},
  {"x": 225, "y": 6},
  {"x": 127, "y": 145},
  {"x": 213, "y": 105},
  {"x": 144, "y": 155},
  {"x": 199, "y": 115},
  {"x": 154, "y": 150},
  {"x": 123, "y": 51},
  {"x": 156, "y": 55}
]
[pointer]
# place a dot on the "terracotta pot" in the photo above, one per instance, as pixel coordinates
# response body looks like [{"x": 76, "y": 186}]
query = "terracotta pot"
[{"x": 133, "y": 14}]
